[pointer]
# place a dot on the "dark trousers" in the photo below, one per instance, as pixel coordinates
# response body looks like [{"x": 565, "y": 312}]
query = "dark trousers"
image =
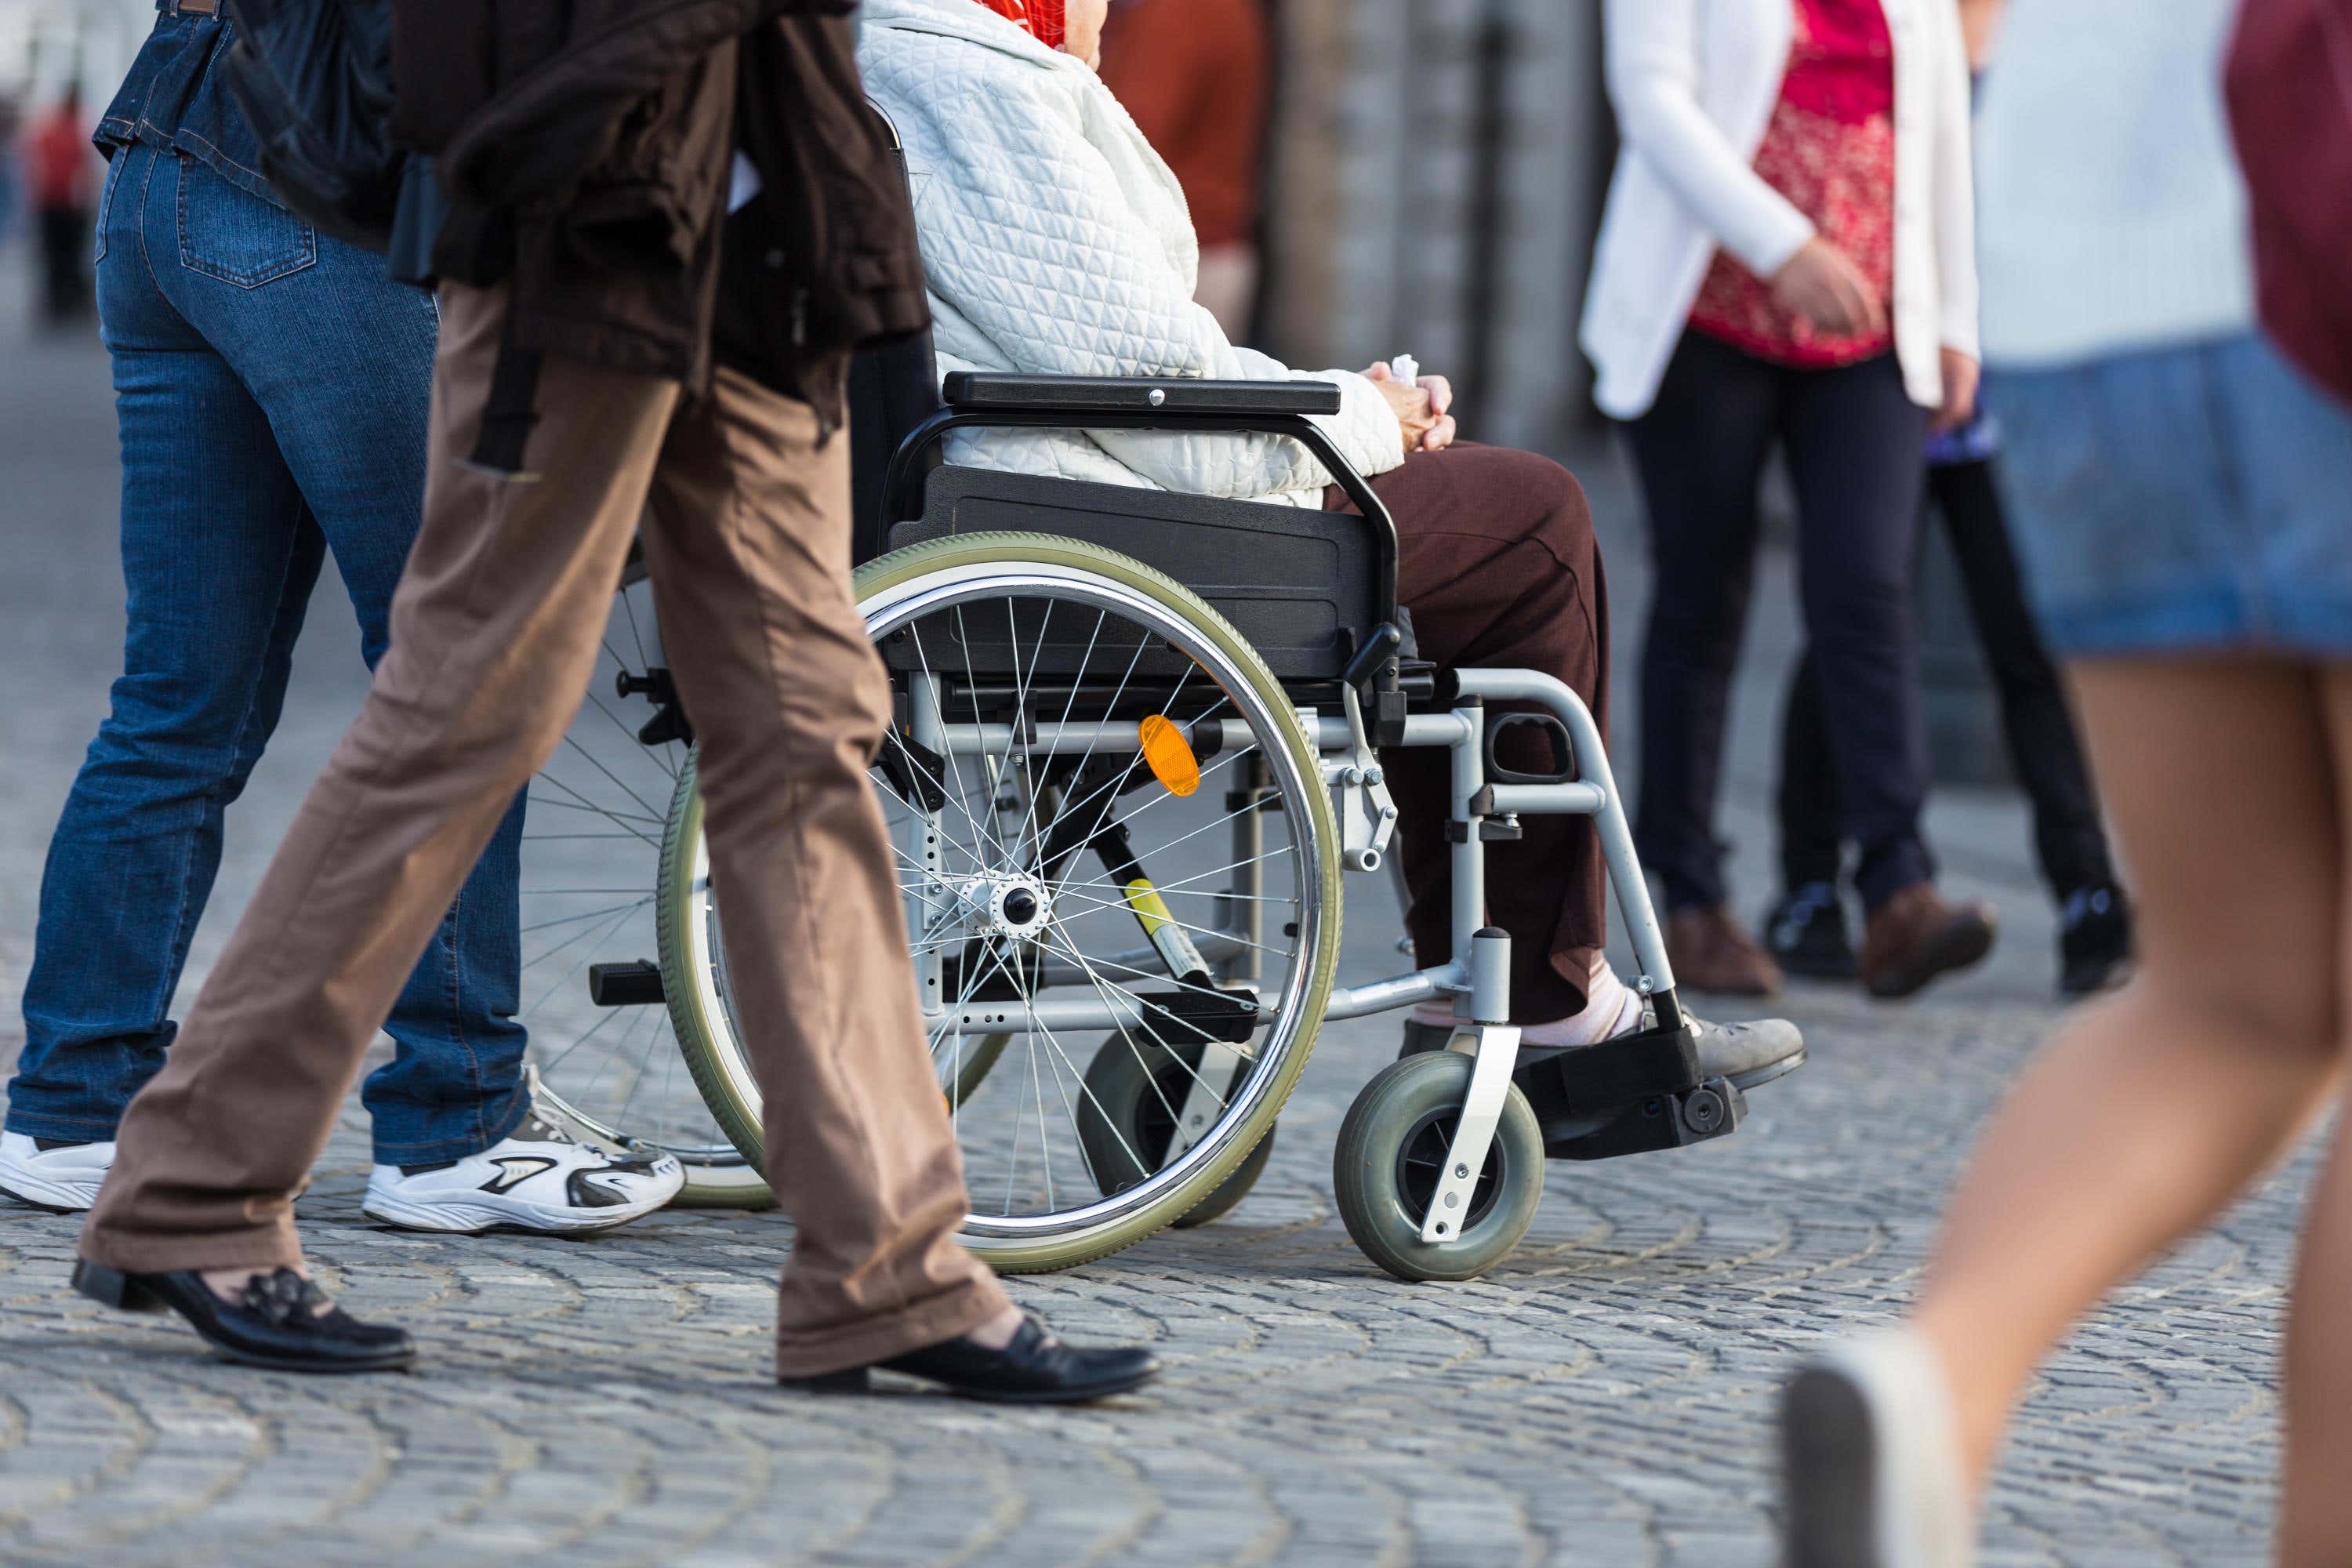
[
  {"x": 1497, "y": 564},
  {"x": 2068, "y": 837},
  {"x": 1853, "y": 440},
  {"x": 65, "y": 266}
]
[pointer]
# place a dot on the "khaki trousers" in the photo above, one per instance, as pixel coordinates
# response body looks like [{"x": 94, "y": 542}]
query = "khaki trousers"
[{"x": 494, "y": 637}]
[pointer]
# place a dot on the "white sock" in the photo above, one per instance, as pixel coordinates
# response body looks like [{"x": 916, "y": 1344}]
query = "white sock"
[{"x": 1611, "y": 1008}]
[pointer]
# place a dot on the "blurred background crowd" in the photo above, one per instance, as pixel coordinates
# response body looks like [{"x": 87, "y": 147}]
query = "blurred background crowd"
[
  {"x": 1362, "y": 172},
  {"x": 1368, "y": 177}
]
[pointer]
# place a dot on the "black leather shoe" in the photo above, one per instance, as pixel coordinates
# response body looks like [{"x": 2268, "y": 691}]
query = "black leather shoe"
[
  {"x": 275, "y": 1321},
  {"x": 2095, "y": 942},
  {"x": 1034, "y": 1369},
  {"x": 1805, "y": 933}
]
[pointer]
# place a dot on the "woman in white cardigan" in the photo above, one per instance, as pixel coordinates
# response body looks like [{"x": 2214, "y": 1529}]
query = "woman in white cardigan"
[
  {"x": 1056, "y": 242},
  {"x": 1785, "y": 261}
]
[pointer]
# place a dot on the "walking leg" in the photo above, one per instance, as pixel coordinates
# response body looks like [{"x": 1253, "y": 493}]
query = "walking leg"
[
  {"x": 494, "y": 633},
  {"x": 750, "y": 555},
  {"x": 2153, "y": 1109}
]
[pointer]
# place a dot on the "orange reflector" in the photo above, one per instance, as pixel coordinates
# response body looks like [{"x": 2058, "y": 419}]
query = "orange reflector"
[{"x": 1169, "y": 754}]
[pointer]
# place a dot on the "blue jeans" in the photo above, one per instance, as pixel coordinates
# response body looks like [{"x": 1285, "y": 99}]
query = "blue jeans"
[
  {"x": 272, "y": 390},
  {"x": 2184, "y": 498}
]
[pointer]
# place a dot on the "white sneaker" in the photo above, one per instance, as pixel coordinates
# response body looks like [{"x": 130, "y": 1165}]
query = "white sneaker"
[
  {"x": 539, "y": 1179},
  {"x": 48, "y": 1174},
  {"x": 1870, "y": 1460}
]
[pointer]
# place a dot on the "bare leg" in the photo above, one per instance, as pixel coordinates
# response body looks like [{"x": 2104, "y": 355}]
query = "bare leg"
[
  {"x": 2317, "y": 1526},
  {"x": 2152, "y": 1109}
]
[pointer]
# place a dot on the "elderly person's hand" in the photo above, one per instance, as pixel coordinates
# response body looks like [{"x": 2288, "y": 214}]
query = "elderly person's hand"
[{"x": 1421, "y": 408}]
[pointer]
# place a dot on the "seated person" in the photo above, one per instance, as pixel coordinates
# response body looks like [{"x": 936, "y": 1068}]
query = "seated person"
[{"x": 1058, "y": 242}]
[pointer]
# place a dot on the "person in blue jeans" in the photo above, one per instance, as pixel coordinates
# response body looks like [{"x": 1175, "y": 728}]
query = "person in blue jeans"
[{"x": 272, "y": 389}]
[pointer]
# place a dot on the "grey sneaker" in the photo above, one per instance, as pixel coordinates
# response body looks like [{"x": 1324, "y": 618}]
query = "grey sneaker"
[
  {"x": 1748, "y": 1054},
  {"x": 541, "y": 1178},
  {"x": 1870, "y": 1463}
]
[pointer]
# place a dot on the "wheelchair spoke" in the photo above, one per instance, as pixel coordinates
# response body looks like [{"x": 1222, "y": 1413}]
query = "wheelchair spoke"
[
  {"x": 1025, "y": 700},
  {"x": 930, "y": 689},
  {"x": 1197, "y": 930},
  {"x": 1143, "y": 1011},
  {"x": 592, "y": 862}
]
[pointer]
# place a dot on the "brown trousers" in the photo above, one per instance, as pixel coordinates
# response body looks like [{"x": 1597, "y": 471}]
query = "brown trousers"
[
  {"x": 1499, "y": 570},
  {"x": 494, "y": 637}
]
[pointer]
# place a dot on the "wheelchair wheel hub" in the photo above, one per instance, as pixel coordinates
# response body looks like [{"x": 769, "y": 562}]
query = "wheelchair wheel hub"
[{"x": 1015, "y": 906}]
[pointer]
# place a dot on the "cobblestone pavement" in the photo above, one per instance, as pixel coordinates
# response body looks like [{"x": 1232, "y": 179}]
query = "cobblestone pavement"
[{"x": 1601, "y": 1399}]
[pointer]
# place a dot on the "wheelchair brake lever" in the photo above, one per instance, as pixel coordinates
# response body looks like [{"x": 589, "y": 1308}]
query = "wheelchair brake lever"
[{"x": 1359, "y": 790}]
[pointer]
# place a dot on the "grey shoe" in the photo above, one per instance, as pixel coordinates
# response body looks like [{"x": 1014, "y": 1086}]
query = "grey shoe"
[
  {"x": 1757, "y": 1051},
  {"x": 1870, "y": 1463},
  {"x": 1748, "y": 1054}
]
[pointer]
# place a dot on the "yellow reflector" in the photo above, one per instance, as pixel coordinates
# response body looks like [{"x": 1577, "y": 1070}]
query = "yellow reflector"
[
  {"x": 1169, "y": 754},
  {"x": 1150, "y": 907}
]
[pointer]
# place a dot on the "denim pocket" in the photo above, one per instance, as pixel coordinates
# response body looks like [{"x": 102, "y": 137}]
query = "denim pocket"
[
  {"x": 106, "y": 199},
  {"x": 234, "y": 235}
]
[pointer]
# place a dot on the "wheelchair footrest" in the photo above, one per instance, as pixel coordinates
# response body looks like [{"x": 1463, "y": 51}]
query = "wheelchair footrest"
[{"x": 1627, "y": 1096}]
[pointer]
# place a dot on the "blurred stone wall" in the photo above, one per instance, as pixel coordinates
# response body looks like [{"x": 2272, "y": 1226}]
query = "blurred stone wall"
[{"x": 1437, "y": 170}]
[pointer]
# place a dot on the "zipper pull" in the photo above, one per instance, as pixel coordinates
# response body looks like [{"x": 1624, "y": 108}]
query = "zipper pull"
[{"x": 799, "y": 316}]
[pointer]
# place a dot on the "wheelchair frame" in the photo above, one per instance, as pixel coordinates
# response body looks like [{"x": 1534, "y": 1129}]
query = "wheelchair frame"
[{"x": 1636, "y": 1093}]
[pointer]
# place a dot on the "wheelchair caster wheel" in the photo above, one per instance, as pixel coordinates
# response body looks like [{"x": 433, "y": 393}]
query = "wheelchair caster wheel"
[
  {"x": 1392, "y": 1149},
  {"x": 1135, "y": 1091}
]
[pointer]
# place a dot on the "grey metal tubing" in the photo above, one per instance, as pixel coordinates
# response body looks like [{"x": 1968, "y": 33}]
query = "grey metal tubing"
[
  {"x": 1108, "y": 1009},
  {"x": 1469, "y": 911},
  {"x": 1578, "y": 799},
  {"x": 1490, "y": 980},
  {"x": 1215, "y": 946},
  {"x": 996, "y": 740},
  {"x": 1383, "y": 995},
  {"x": 1430, "y": 730},
  {"x": 1616, "y": 832}
]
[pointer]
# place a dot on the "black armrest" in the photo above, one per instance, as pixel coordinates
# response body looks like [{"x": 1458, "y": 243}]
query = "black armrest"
[{"x": 981, "y": 391}]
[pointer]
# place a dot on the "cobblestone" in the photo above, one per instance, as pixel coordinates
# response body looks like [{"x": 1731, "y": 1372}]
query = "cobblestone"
[{"x": 1601, "y": 1398}]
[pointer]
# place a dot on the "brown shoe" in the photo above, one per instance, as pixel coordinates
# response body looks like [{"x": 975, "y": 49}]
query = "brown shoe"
[
  {"x": 1915, "y": 936},
  {"x": 1711, "y": 951}
]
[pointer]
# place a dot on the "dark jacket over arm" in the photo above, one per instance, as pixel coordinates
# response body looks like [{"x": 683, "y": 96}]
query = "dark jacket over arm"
[{"x": 583, "y": 151}]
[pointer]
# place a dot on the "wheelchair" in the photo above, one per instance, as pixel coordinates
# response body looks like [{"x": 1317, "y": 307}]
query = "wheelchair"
[{"x": 1134, "y": 750}]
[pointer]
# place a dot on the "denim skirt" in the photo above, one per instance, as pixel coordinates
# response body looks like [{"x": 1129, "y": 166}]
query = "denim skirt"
[{"x": 2186, "y": 499}]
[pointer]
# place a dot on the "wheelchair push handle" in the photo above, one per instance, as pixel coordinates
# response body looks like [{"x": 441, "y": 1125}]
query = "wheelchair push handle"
[{"x": 1564, "y": 746}]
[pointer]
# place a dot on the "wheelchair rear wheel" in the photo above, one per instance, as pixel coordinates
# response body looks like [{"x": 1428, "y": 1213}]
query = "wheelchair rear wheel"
[
  {"x": 602, "y": 1040},
  {"x": 1108, "y": 820}
]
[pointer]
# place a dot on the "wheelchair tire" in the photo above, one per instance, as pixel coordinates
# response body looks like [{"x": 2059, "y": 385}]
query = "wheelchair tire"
[
  {"x": 1385, "y": 1166},
  {"x": 599, "y": 1042},
  {"x": 1129, "y": 1115},
  {"x": 989, "y": 569}
]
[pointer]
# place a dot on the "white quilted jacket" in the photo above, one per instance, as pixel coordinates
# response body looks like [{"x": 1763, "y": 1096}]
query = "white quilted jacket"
[{"x": 1058, "y": 242}]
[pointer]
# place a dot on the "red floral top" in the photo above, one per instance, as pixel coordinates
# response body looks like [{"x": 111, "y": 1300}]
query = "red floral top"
[{"x": 1830, "y": 149}]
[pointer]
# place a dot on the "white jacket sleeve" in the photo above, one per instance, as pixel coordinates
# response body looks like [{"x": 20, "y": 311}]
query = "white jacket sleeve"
[
  {"x": 1955, "y": 201},
  {"x": 1028, "y": 236},
  {"x": 1653, "y": 72}
]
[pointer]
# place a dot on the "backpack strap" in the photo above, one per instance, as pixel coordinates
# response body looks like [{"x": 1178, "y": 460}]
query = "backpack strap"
[{"x": 512, "y": 411}]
